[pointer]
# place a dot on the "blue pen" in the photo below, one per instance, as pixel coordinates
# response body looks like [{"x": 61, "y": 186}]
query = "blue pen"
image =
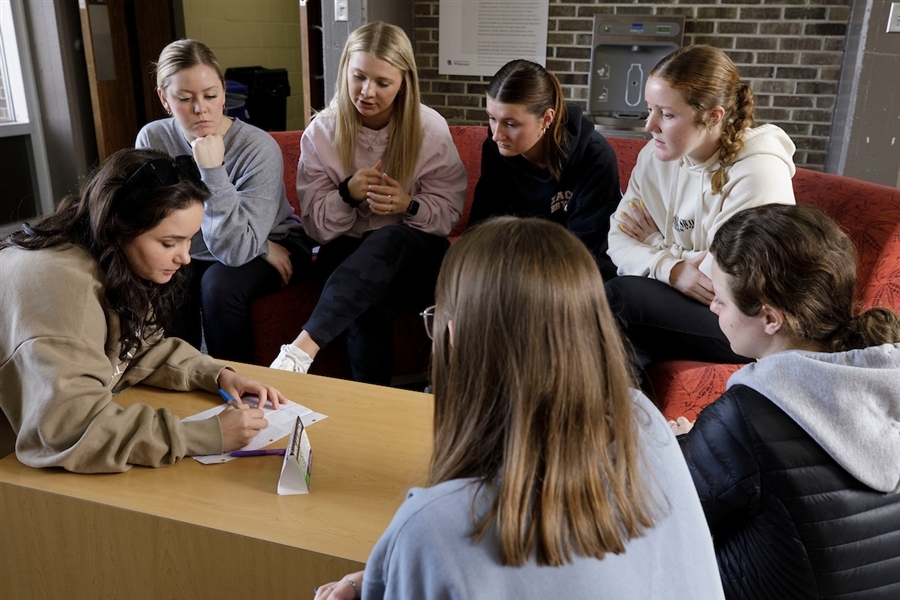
[{"x": 228, "y": 397}]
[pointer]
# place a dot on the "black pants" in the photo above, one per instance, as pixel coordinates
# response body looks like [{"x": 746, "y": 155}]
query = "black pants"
[
  {"x": 660, "y": 323},
  {"x": 218, "y": 302},
  {"x": 367, "y": 278}
]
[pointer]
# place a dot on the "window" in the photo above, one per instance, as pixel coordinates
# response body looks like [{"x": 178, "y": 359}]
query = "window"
[{"x": 25, "y": 189}]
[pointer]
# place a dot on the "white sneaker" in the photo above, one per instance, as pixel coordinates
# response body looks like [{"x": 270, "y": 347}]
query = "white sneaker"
[{"x": 291, "y": 358}]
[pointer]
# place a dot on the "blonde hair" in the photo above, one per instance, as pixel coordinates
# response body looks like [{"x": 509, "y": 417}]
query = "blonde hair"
[
  {"x": 533, "y": 396},
  {"x": 706, "y": 78},
  {"x": 390, "y": 44},
  {"x": 184, "y": 54}
]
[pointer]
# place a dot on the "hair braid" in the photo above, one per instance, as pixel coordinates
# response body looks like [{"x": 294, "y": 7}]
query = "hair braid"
[{"x": 732, "y": 140}]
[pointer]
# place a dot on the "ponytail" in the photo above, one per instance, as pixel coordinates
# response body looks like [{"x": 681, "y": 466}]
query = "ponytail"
[
  {"x": 556, "y": 132},
  {"x": 874, "y": 327}
]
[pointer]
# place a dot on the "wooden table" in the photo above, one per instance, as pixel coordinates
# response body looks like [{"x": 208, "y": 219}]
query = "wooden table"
[{"x": 219, "y": 531}]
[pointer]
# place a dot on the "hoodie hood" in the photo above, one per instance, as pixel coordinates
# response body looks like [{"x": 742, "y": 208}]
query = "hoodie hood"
[
  {"x": 848, "y": 402},
  {"x": 769, "y": 140}
]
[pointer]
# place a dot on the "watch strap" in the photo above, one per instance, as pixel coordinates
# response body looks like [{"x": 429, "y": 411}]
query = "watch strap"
[{"x": 344, "y": 191}]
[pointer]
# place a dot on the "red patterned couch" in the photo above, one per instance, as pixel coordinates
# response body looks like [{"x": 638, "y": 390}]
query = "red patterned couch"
[{"x": 869, "y": 213}]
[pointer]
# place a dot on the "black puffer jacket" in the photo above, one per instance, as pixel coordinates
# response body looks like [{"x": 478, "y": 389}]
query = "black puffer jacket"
[{"x": 787, "y": 520}]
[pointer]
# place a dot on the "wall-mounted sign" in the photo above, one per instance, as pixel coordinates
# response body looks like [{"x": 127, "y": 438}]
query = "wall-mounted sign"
[{"x": 477, "y": 37}]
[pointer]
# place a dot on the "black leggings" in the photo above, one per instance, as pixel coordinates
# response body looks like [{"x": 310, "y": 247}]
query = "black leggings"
[
  {"x": 218, "y": 301},
  {"x": 366, "y": 279},
  {"x": 660, "y": 323}
]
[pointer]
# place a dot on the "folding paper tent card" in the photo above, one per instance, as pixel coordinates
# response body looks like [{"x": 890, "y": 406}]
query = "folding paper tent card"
[{"x": 297, "y": 464}]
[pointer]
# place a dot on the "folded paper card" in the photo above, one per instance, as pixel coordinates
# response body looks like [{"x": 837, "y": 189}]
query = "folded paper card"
[{"x": 297, "y": 464}]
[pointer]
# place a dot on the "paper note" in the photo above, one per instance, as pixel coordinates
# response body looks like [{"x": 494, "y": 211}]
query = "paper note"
[
  {"x": 281, "y": 424},
  {"x": 296, "y": 467}
]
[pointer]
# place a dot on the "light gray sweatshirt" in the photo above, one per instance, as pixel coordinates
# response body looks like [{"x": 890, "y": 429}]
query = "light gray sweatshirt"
[
  {"x": 848, "y": 402},
  {"x": 248, "y": 204},
  {"x": 426, "y": 552}
]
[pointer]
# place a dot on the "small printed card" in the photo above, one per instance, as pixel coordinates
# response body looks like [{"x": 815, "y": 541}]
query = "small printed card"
[{"x": 297, "y": 464}]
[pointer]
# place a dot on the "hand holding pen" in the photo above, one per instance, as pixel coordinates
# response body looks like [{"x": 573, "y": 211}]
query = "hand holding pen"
[{"x": 239, "y": 423}]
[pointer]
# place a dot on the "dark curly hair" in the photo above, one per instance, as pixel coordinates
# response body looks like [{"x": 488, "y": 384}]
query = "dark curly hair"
[{"x": 109, "y": 210}]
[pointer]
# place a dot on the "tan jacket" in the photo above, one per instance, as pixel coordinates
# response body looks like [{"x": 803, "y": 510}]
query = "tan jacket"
[{"x": 59, "y": 370}]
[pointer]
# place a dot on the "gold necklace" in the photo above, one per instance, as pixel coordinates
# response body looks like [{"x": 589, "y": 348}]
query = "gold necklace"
[{"x": 372, "y": 136}]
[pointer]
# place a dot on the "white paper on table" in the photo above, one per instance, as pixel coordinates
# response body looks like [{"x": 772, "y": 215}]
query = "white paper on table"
[{"x": 281, "y": 424}]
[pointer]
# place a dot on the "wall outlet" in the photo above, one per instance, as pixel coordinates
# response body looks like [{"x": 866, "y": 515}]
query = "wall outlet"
[
  {"x": 894, "y": 18},
  {"x": 340, "y": 10}
]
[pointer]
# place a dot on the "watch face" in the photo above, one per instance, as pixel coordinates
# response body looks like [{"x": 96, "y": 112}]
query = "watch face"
[{"x": 413, "y": 208}]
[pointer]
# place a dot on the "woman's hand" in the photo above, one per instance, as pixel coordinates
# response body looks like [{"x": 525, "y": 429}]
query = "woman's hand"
[
  {"x": 386, "y": 197},
  {"x": 362, "y": 179},
  {"x": 238, "y": 385},
  {"x": 280, "y": 258},
  {"x": 681, "y": 425},
  {"x": 240, "y": 424},
  {"x": 341, "y": 590},
  {"x": 687, "y": 278},
  {"x": 209, "y": 151},
  {"x": 639, "y": 225}
]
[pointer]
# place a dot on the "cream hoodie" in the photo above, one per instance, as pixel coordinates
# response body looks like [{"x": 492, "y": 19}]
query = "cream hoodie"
[
  {"x": 679, "y": 197},
  {"x": 59, "y": 370}
]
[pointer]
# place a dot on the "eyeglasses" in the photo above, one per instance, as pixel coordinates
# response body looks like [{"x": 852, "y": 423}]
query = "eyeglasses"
[
  {"x": 428, "y": 320},
  {"x": 162, "y": 172}
]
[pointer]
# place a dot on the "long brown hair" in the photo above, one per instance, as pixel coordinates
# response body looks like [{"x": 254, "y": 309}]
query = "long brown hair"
[
  {"x": 532, "y": 397},
  {"x": 390, "y": 44},
  {"x": 537, "y": 89},
  {"x": 100, "y": 218},
  {"x": 706, "y": 78},
  {"x": 797, "y": 259}
]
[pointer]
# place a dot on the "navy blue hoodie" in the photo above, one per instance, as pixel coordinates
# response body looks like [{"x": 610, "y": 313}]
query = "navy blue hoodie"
[{"x": 583, "y": 199}]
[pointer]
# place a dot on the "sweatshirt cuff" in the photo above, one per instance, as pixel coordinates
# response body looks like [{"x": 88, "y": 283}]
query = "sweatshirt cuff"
[
  {"x": 202, "y": 437},
  {"x": 204, "y": 374},
  {"x": 664, "y": 270},
  {"x": 215, "y": 178}
]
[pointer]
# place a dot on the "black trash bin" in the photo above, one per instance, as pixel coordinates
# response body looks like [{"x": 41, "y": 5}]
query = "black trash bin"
[{"x": 267, "y": 92}]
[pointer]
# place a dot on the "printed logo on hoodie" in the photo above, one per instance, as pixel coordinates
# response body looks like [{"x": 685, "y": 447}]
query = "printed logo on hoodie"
[
  {"x": 560, "y": 201},
  {"x": 682, "y": 225}
]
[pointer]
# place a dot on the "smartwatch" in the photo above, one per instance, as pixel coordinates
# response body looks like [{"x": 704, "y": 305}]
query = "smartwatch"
[{"x": 413, "y": 208}]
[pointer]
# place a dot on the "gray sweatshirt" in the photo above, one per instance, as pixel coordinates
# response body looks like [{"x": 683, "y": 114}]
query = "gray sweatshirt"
[
  {"x": 848, "y": 402},
  {"x": 426, "y": 552},
  {"x": 248, "y": 204}
]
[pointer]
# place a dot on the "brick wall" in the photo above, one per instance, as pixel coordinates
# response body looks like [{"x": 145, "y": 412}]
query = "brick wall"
[{"x": 789, "y": 51}]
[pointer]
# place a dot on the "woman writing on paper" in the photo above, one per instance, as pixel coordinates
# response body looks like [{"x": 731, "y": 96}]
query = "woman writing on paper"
[
  {"x": 550, "y": 476},
  {"x": 86, "y": 295},
  {"x": 381, "y": 185}
]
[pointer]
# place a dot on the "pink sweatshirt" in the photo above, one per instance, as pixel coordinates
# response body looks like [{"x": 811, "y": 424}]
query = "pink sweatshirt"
[{"x": 438, "y": 182}]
